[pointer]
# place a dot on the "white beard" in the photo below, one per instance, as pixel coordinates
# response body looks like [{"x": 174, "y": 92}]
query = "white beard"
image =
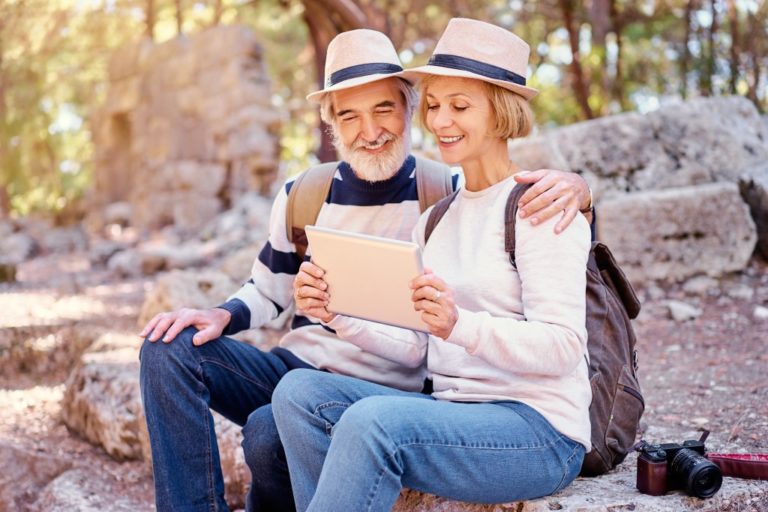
[{"x": 379, "y": 166}]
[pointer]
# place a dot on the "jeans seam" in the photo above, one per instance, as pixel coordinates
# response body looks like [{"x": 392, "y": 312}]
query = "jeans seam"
[
  {"x": 208, "y": 448},
  {"x": 240, "y": 374},
  {"x": 208, "y": 456},
  {"x": 431, "y": 442},
  {"x": 574, "y": 450},
  {"x": 374, "y": 491}
]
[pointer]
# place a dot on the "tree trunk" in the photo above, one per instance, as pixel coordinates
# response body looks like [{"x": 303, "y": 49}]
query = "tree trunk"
[
  {"x": 2, "y": 81},
  {"x": 218, "y": 9},
  {"x": 321, "y": 31},
  {"x": 686, "y": 58},
  {"x": 713, "y": 28},
  {"x": 617, "y": 91},
  {"x": 5, "y": 202},
  {"x": 580, "y": 86},
  {"x": 325, "y": 19},
  {"x": 756, "y": 51},
  {"x": 179, "y": 17},
  {"x": 150, "y": 19},
  {"x": 733, "y": 18}
]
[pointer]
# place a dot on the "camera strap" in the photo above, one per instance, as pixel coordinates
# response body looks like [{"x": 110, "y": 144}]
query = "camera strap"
[{"x": 741, "y": 465}]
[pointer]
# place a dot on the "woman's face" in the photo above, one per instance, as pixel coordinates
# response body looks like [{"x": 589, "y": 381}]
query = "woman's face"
[{"x": 459, "y": 115}]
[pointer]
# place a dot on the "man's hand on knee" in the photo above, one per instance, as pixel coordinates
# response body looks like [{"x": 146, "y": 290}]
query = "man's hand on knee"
[
  {"x": 210, "y": 324},
  {"x": 552, "y": 193}
]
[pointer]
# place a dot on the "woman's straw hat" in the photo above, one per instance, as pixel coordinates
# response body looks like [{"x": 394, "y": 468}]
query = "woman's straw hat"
[{"x": 479, "y": 50}]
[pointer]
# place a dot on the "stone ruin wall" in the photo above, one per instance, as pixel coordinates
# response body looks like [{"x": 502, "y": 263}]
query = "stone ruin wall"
[
  {"x": 187, "y": 128},
  {"x": 680, "y": 192}
]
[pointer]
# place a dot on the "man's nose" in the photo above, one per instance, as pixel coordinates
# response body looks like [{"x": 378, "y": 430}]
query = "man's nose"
[{"x": 370, "y": 129}]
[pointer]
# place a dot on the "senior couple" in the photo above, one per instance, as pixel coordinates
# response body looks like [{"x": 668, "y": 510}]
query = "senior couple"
[{"x": 338, "y": 417}]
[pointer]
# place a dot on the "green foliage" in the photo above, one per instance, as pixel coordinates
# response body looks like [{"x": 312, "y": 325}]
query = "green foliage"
[{"x": 53, "y": 57}]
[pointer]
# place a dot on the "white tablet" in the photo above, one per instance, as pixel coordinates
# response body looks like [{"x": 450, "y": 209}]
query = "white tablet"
[{"x": 368, "y": 276}]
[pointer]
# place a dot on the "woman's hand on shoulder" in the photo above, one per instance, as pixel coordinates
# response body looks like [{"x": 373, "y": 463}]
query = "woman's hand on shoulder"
[{"x": 435, "y": 300}]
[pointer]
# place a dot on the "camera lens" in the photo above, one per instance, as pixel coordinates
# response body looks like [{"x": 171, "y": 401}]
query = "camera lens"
[{"x": 699, "y": 476}]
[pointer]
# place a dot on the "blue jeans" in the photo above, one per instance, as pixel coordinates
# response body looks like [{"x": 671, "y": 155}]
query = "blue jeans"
[
  {"x": 375, "y": 440},
  {"x": 180, "y": 383}
]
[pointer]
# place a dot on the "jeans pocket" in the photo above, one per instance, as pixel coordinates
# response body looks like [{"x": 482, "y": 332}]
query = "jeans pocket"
[{"x": 330, "y": 413}]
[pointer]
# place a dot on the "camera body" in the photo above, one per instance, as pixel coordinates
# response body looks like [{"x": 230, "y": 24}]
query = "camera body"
[{"x": 669, "y": 466}]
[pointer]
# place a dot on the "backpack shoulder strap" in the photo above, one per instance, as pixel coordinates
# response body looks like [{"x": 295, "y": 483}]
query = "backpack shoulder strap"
[
  {"x": 433, "y": 182},
  {"x": 305, "y": 199},
  {"x": 437, "y": 213},
  {"x": 510, "y": 214}
]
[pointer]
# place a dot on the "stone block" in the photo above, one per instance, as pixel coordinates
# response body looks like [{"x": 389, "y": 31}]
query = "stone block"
[
  {"x": 719, "y": 138},
  {"x": 537, "y": 152},
  {"x": 180, "y": 70},
  {"x": 17, "y": 247},
  {"x": 162, "y": 53},
  {"x": 129, "y": 60},
  {"x": 191, "y": 211},
  {"x": 124, "y": 95},
  {"x": 690, "y": 143},
  {"x": 190, "y": 289},
  {"x": 102, "y": 403},
  {"x": 84, "y": 490},
  {"x": 234, "y": 40},
  {"x": 200, "y": 178},
  {"x": 25, "y": 473},
  {"x": 615, "y": 491},
  {"x": 678, "y": 233}
]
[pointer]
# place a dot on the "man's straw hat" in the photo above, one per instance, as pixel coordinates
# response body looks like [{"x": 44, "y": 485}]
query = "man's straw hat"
[
  {"x": 479, "y": 50},
  {"x": 358, "y": 57}
]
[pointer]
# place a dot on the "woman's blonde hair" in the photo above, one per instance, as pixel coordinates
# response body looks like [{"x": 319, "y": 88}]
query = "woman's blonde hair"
[{"x": 512, "y": 113}]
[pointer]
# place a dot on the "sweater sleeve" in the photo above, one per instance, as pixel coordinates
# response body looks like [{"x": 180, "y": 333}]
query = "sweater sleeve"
[
  {"x": 552, "y": 337},
  {"x": 269, "y": 291},
  {"x": 402, "y": 346}
]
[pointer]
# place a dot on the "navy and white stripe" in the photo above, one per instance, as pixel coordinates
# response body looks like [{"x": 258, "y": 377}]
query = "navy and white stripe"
[{"x": 390, "y": 209}]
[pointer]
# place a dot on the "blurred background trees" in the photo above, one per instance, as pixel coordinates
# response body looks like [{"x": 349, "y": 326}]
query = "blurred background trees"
[{"x": 589, "y": 59}]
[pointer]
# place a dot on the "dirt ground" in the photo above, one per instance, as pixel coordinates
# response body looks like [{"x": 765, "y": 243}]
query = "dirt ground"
[{"x": 708, "y": 373}]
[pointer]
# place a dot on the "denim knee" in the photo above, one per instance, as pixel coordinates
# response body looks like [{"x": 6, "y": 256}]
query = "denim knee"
[
  {"x": 294, "y": 390},
  {"x": 366, "y": 418},
  {"x": 159, "y": 357},
  {"x": 261, "y": 441}
]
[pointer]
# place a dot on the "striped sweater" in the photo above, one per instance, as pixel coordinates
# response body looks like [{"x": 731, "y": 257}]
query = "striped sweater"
[{"x": 387, "y": 208}]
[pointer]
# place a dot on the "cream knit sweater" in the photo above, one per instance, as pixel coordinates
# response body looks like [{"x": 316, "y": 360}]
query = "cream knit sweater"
[{"x": 521, "y": 334}]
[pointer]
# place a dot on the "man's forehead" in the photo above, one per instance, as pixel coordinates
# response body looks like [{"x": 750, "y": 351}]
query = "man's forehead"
[{"x": 367, "y": 96}]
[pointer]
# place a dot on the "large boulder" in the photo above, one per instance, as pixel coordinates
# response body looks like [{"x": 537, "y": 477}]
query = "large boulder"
[
  {"x": 179, "y": 289},
  {"x": 690, "y": 143},
  {"x": 85, "y": 490},
  {"x": 102, "y": 403},
  {"x": 25, "y": 473},
  {"x": 677, "y": 233},
  {"x": 702, "y": 141}
]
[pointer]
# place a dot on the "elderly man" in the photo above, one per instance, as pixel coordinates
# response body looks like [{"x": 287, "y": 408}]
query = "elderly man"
[{"x": 197, "y": 368}]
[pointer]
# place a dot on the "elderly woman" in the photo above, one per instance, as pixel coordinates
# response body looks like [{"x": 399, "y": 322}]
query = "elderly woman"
[{"x": 509, "y": 415}]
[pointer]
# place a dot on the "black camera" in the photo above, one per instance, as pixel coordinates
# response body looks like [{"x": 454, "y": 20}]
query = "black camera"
[{"x": 665, "y": 467}]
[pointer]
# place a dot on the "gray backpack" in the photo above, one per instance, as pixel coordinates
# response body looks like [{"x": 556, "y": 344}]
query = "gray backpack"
[
  {"x": 617, "y": 402},
  {"x": 310, "y": 189}
]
